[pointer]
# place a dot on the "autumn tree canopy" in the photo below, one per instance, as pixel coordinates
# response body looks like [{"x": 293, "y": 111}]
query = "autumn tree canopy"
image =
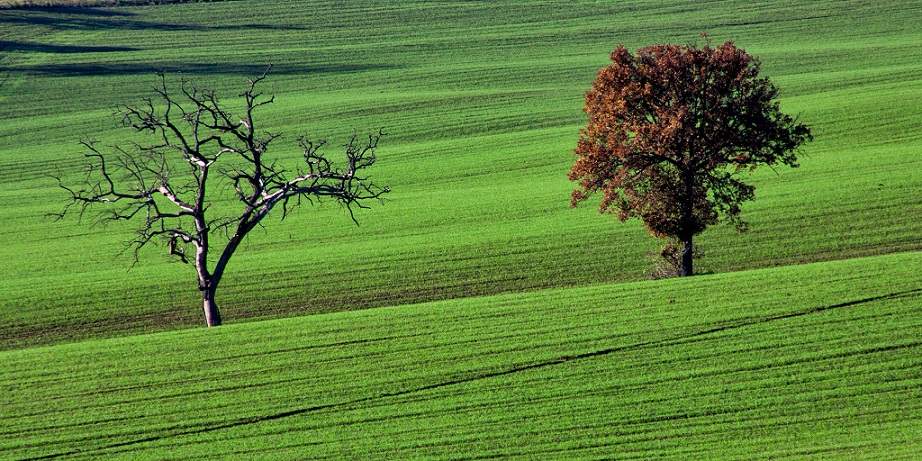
[{"x": 669, "y": 131}]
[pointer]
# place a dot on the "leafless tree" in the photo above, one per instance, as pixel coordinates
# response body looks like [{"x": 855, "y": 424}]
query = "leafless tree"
[{"x": 172, "y": 185}]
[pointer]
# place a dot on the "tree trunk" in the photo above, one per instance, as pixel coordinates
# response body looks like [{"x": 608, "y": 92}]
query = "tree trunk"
[
  {"x": 687, "y": 252},
  {"x": 212, "y": 316}
]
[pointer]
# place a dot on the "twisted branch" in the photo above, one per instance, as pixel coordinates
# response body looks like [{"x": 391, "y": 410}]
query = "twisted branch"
[{"x": 165, "y": 184}]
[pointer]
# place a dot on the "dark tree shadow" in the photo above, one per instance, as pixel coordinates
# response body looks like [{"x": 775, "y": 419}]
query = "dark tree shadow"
[
  {"x": 29, "y": 47},
  {"x": 94, "y": 69},
  {"x": 111, "y": 19}
]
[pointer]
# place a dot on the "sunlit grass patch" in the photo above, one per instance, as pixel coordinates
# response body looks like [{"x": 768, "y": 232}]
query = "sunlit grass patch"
[{"x": 792, "y": 363}]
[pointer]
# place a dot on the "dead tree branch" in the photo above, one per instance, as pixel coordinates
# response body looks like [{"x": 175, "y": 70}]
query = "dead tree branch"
[{"x": 168, "y": 183}]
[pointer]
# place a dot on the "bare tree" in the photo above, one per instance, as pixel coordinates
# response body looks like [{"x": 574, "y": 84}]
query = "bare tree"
[{"x": 172, "y": 184}]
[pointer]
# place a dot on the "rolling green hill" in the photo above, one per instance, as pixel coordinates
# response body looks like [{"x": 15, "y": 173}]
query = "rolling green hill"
[
  {"x": 482, "y": 101},
  {"x": 818, "y": 361},
  {"x": 507, "y": 325}
]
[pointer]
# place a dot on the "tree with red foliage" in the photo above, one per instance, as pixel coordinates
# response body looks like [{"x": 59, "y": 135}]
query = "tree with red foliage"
[{"x": 669, "y": 131}]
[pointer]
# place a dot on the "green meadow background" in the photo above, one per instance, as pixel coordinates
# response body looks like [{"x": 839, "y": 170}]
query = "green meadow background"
[
  {"x": 482, "y": 102},
  {"x": 512, "y": 326}
]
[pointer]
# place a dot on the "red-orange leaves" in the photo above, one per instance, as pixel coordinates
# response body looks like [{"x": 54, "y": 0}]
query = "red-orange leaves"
[{"x": 668, "y": 129}]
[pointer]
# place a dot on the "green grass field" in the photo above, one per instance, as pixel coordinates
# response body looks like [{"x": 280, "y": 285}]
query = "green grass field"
[
  {"x": 818, "y": 361},
  {"x": 510, "y": 326},
  {"x": 483, "y": 105}
]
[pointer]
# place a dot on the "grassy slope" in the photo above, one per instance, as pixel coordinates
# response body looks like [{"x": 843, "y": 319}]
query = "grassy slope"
[
  {"x": 483, "y": 102},
  {"x": 818, "y": 361}
]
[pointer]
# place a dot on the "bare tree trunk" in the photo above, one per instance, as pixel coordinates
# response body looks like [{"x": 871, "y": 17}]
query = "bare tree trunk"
[
  {"x": 687, "y": 210},
  {"x": 687, "y": 251},
  {"x": 212, "y": 315}
]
